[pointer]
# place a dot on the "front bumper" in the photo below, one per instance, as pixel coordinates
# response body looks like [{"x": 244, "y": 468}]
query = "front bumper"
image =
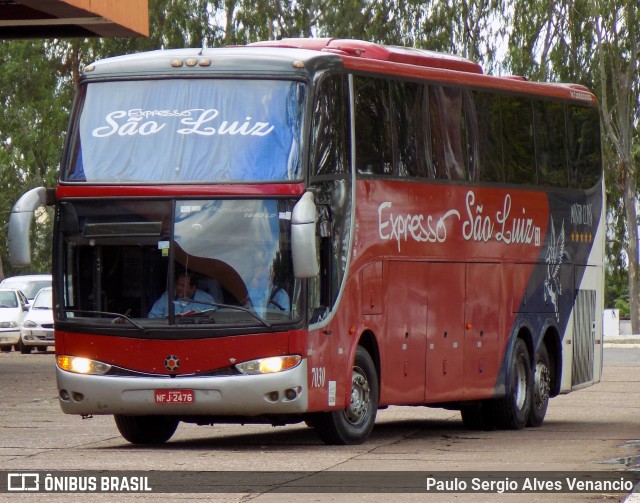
[
  {"x": 8, "y": 337},
  {"x": 238, "y": 395},
  {"x": 38, "y": 337}
]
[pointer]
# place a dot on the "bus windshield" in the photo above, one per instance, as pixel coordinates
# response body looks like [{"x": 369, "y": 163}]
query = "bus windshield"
[
  {"x": 187, "y": 131},
  {"x": 153, "y": 263}
]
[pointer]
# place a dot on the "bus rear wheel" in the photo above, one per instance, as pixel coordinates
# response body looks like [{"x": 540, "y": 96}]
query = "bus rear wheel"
[
  {"x": 146, "y": 429},
  {"x": 512, "y": 411},
  {"x": 353, "y": 425},
  {"x": 541, "y": 387}
]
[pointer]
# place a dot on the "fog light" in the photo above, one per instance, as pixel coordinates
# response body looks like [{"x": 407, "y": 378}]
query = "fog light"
[
  {"x": 77, "y": 397},
  {"x": 273, "y": 396},
  {"x": 64, "y": 394},
  {"x": 290, "y": 394}
]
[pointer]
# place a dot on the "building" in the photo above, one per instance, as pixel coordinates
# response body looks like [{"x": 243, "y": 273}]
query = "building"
[{"x": 73, "y": 18}]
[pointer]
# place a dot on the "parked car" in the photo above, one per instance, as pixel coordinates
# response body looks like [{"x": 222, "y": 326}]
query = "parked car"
[
  {"x": 37, "y": 325},
  {"x": 29, "y": 284},
  {"x": 13, "y": 307}
]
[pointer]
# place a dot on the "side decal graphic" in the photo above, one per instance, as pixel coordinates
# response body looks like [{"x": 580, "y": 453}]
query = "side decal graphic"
[{"x": 555, "y": 252}]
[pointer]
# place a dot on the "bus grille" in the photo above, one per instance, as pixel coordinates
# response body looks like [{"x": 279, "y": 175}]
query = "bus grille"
[{"x": 584, "y": 334}]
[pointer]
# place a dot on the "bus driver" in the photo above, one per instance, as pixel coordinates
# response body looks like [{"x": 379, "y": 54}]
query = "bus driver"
[{"x": 188, "y": 298}]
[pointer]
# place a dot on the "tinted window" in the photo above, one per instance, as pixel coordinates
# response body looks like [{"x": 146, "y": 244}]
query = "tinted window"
[
  {"x": 330, "y": 154},
  {"x": 408, "y": 103},
  {"x": 517, "y": 131},
  {"x": 490, "y": 165},
  {"x": 448, "y": 135},
  {"x": 551, "y": 150},
  {"x": 374, "y": 149},
  {"x": 584, "y": 147}
]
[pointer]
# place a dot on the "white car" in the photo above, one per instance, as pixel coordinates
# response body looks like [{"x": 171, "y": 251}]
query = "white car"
[
  {"x": 37, "y": 325},
  {"x": 13, "y": 307},
  {"x": 29, "y": 284}
]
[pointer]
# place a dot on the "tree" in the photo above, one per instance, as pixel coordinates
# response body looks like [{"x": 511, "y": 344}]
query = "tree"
[
  {"x": 32, "y": 125},
  {"x": 617, "y": 23}
]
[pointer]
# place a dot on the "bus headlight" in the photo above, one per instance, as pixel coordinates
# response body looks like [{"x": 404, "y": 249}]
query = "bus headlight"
[
  {"x": 269, "y": 365},
  {"x": 80, "y": 365}
]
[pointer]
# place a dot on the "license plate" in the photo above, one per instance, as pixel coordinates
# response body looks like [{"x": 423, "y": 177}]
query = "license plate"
[{"x": 174, "y": 396}]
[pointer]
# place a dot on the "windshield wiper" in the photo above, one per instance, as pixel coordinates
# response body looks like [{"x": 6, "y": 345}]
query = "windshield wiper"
[
  {"x": 117, "y": 317},
  {"x": 208, "y": 312}
]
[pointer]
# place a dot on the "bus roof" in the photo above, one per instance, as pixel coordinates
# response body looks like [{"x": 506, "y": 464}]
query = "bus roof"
[
  {"x": 301, "y": 56},
  {"x": 369, "y": 50}
]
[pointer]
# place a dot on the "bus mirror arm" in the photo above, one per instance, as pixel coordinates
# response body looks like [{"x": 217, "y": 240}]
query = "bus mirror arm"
[
  {"x": 303, "y": 238},
  {"x": 20, "y": 224}
]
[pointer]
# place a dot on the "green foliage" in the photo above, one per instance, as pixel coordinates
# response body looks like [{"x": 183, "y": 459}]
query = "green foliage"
[{"x": 35, "y": 115}]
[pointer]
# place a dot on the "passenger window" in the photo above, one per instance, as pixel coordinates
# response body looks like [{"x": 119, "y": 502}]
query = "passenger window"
[
  {"x": 447, "y": 133},
  {"x": 584, "y": 147},
  {"x": 517, "y": 132},
  {"x": 551, "y": 150},
  {"x": 490, "y": 165},
  {"x": 330, "y": 154},
  {"x": 374, "y": 149},
  {"x": 409, "y": 103}
]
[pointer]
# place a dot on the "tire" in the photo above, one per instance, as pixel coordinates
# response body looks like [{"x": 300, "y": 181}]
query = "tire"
[
  {"x": 146, "y": 429},
  {"x": 541, "y": 388},
  {"x": 353, "y": 425},
  {"x": 5, "y": 349},
  {"x": 25, "y": 350},
  {"x": 512, "y": 411}
]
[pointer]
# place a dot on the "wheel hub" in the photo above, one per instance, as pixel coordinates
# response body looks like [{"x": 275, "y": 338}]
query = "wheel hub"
[
  {"x": 360, "y": 397},
  {"x": 542, "y": 384}
]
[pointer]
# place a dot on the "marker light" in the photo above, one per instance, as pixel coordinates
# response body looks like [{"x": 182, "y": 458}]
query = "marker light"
[
  {"x": 80, "y": 365},
  {"x": 269, "y": 365}
]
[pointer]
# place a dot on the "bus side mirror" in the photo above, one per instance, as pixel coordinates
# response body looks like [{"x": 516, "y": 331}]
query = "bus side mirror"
[
  {"x": 303, "y": 238},
  {"x": 20, "y": 225}
]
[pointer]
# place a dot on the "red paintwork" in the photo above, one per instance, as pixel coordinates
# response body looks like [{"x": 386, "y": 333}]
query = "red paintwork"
[
  {"x": 415, "y": 205},
  {"x": 441, "y": 312},
  {"x": 196, "y": 355},
  {"x": 371, "y": 51},
  {"x": 358, "y": 55},
  {"x": 230, "y": 190}
]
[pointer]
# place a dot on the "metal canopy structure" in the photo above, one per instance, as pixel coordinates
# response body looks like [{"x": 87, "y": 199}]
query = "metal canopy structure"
[{"x": 73, "y": 18}]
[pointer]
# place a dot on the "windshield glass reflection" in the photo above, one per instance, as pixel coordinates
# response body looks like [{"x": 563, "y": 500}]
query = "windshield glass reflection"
[{"x": 159, "y": 263}]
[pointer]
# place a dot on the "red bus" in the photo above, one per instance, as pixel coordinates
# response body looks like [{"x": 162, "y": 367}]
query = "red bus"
[{"x": 314, "y": 229}]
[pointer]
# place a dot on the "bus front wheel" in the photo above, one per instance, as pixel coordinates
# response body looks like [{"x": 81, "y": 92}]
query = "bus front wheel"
[
  {"x": 353, "y": 425},
  {"x": 146, "y": 429}
]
